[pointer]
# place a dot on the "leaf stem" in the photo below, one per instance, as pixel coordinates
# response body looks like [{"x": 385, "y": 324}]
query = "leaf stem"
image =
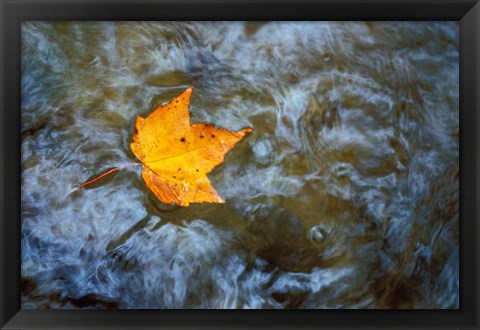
[{"x": 105, "y": 174}]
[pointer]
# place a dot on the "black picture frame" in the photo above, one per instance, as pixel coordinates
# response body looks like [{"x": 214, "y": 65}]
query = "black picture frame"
[{"x": 13, "y": 12}]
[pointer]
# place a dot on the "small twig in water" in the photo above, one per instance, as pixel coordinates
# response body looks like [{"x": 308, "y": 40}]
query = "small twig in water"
[{"x": 105, "y": 174}]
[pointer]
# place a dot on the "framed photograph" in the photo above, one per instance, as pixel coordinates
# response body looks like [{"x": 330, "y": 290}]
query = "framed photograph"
[{"x": 226, "y": 165}]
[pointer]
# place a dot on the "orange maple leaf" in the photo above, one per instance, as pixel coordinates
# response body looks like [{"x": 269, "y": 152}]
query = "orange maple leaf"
[{"x": 177, "y": 156}]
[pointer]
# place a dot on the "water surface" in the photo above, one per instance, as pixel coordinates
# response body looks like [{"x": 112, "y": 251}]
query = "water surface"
[{"x": 344, "y": 196}]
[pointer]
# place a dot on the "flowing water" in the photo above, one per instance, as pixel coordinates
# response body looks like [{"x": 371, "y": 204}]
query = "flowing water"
[{"x": 344, "y": 196}]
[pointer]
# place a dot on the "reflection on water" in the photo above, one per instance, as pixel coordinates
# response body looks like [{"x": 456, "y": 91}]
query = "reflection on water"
[{"x": 345, "y": 196}]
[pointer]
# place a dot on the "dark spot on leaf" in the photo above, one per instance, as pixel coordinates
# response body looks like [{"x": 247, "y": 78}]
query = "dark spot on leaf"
[
  {"x": 196, "y": 170},
  {"x": 179, "y": 169},
  {"x": 182, "y": 139},
  {"x": 201, "y": 136},
  {"x": 174, "y": 177},
  {"x": 213, "y": 136}
]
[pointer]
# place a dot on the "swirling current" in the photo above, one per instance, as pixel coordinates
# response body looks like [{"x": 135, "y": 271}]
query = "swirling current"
[{"x": 344, "y": 196}]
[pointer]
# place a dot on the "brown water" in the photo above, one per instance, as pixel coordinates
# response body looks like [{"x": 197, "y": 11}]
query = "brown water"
[{"x": 345, "y": 195}]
